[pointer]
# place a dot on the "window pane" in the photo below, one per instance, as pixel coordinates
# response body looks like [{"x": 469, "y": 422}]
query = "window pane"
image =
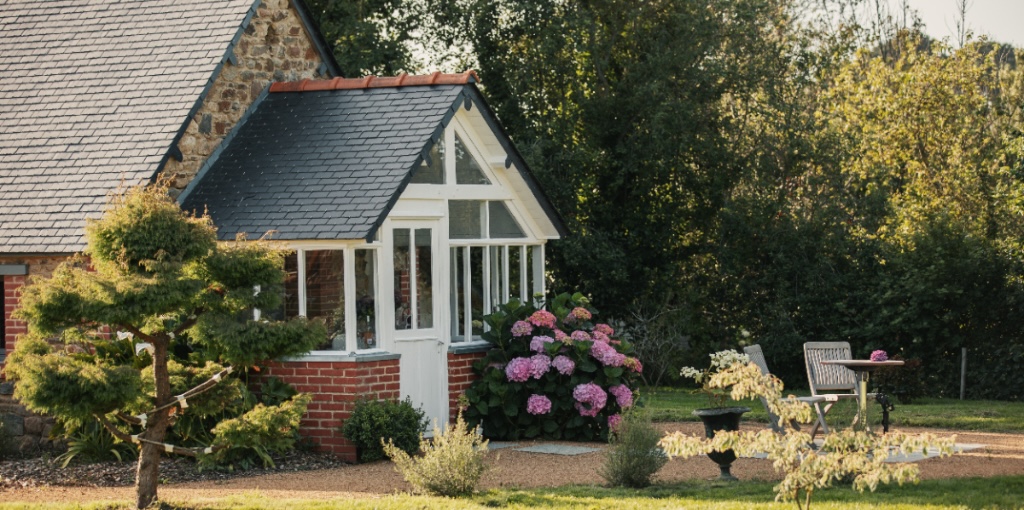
[
  {"x": 366, "y": 302},
  {"x": 424, "y": 280},
  {"x": 290, "y": 301},
  {"x": 515, "y": 272},
  {"x": 498, "y": 287},
  {"x": 476, "y": 271},
  {"x": 464, "y": 219},
  {"x": 502, "y": 224},
  {"x": 467, "y": 170},
  {"x": 325, "y": 293},
  {"x": 458, "y": 300},
  {"x": 403, "y": 273},
  {"x": 434, "y": 172}
]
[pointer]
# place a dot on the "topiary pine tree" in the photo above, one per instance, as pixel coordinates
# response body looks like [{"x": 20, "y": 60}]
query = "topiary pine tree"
[{"x": 156, "y": 276}]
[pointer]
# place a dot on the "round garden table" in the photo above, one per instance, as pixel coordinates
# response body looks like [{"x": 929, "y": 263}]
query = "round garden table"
[{"x": 863, "y": 369}]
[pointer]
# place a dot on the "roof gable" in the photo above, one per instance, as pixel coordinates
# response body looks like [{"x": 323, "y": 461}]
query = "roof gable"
[{"x": 95, "y": 95}]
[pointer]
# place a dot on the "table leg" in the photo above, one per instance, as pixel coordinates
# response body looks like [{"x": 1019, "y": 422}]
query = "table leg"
[{"x": 862, "y": 402}]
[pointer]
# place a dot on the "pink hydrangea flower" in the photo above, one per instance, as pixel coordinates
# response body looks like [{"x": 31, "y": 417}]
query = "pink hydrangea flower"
[
  {"x": 879, "y": 355},
  {"x": 633, "y": 364},
  {"x": 538, "y": 404},
  {"x": 539, "y": 365},
  {"x": 564, "y": 365},
  {"x": 623, "y": 395},
  {"x": 614, "y": 421},
  {"x": 604, "y": 328},
  {"x": 521, "y": 328},
  {"x": 607, "y": 354},
  {"x": 590, "y": 399},
  {"x": 579, "y": 314},
  {"x": 538, "y": 342},
  {"x": 601, "y": 337},
  {"x": 543, "y": 319},
  {"x": 519, "y": 369},
  {"x": 560, "y": 336},
  {"x": 580, "y": 336}
]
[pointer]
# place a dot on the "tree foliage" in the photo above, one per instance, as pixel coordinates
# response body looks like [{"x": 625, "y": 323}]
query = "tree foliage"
[{"x": 147, "y": 325}]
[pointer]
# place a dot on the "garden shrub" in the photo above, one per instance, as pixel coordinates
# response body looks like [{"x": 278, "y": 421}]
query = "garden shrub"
[
  {"x": 634, "y": 456},
  {"x": 554, "y": 374},
  {"x": 374, "y": 422},
  {"x": 92, "y": 443},
  {"x": 451, "y": 465}
]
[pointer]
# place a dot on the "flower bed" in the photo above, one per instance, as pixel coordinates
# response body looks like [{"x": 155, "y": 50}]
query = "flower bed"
[{"x": 551, "y": 374}]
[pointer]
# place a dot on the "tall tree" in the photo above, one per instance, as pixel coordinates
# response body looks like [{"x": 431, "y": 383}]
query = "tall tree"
[
  {"x": 370, "y": 36},
  {"x": 154, "y": 282}
]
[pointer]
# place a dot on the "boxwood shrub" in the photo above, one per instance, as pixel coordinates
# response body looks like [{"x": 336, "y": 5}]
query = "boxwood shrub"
[{"x": 374, "y": 422}]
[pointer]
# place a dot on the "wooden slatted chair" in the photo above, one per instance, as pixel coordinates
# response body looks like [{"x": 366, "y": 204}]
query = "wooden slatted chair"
[
  {"x": 833, "y": 382},
  {"x": 756, "y": 356}
]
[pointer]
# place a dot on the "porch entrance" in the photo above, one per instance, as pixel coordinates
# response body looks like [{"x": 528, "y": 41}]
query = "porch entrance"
[{"x": 415, "y": 265}]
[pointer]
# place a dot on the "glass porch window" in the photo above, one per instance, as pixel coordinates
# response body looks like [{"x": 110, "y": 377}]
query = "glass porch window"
[
  {"x": 325, "y": 294},
  {"x": 414, "y": 288}
]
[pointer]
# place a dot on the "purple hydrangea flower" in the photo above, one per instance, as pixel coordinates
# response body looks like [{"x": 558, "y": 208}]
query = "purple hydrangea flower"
[
  {"x": 623, "y": 395},
  {"x": 879, "y": 355},
  {"x": 538, "y": 404},
  {"x": 563, "y": 364},
  {"x": 614, "y": 421},
  {"x": 519, "y": 369},
  {"x": 590, "y": 399},
  {"x": 607, "y": 354},
  {"x": 539, "y": 365},
  {"x": 538, "y": 342},
  {"x": 580, "y": 336},
  {"x": 521, "y": 328}
]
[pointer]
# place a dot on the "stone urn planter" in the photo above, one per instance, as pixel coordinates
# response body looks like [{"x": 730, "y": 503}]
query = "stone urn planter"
[{"x": 725, "y": 418}]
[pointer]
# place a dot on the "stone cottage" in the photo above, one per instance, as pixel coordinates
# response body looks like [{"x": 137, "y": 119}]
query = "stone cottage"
[{"x": 408, "y": 211}]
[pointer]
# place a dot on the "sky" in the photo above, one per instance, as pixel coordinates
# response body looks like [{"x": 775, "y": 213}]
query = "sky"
[{"x": 1001, "y": 20}]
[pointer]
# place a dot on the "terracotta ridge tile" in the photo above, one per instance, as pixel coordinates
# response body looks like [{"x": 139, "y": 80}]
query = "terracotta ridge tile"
[{"x": 368, "y": 82}]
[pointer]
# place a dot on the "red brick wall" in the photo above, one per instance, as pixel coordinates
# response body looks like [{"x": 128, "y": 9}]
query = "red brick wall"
[
  {"x": 12, "y": 328},
  {"x": 335, "y": 386},
  {"x": 460, "y": 377}
]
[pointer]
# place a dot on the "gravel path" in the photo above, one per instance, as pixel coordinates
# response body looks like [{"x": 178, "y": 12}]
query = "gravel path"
[{"x": 319, "y": 477}]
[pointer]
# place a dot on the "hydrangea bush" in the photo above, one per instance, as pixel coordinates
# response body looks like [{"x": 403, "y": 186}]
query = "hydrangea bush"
[{"x": 552, "y": 373}]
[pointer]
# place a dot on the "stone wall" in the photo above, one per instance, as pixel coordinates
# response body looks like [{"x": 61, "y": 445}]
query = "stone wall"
[{"x": 274, "y": 47}]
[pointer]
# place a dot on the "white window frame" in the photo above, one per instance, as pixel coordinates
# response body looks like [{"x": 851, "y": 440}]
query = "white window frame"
[{"x": 351, "y": 342}]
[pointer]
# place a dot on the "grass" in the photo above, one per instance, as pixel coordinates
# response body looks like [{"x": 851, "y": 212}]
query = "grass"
[
  {"x": 676, "y": 404},
  {"x": 969, "y": 493}
]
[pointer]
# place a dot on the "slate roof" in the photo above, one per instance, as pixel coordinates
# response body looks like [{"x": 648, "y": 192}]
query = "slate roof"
[
  {"x": 327, "y": 159},
  {"x": 322, "y": 164},
  {"x": 94, "y": 94}
]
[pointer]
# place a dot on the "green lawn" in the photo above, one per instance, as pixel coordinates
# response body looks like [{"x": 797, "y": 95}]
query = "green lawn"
[
  {"x": 674, "y": 404},
  {"x": 980, "y": 493}
]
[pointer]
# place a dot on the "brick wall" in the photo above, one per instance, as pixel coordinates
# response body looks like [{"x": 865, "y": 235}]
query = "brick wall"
[
  {"x": 335, "y": 386},
  {"x": 274, "y": 47},
  {"x": 460, "y": 377},
  {"x": 12, "y": 328}
]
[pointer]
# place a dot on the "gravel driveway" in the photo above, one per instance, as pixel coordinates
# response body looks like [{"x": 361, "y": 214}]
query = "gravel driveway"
[{"x": 1003, "y": 455}]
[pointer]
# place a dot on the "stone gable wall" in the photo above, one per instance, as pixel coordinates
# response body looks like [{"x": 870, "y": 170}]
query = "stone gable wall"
[{"x": 274, "y": 47}]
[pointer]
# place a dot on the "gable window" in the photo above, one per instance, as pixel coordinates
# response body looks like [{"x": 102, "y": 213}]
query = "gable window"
[
  {"x": 467, "y": 170},
  {"x": 336, "y": 286},
  {"x": 432, "y": 171}
]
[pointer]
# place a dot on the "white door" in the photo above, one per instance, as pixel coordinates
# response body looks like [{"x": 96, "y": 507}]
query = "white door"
[{"x": 417, "y": 324}]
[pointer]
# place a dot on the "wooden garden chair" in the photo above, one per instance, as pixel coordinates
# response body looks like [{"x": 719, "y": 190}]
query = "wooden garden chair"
[
  {"x": 756, "y": 356},
  {"x": 832, "y": 382}
]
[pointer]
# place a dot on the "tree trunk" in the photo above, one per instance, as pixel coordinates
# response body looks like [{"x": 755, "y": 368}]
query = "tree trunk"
[{"x": 147, "y": 476}]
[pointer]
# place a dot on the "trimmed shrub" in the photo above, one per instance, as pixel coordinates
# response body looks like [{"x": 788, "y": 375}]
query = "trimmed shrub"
[
  {"x": 634, "y": 456},
  {"x": 375, "y": 422},
  {"x": 551, "y": 373},
  {"x": 451, "y": 465}
]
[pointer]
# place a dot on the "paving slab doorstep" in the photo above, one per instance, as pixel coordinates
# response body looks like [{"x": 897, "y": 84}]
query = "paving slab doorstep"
[
  {"x": 557, "y": 449},
  {"x": 498, "y": 445}
]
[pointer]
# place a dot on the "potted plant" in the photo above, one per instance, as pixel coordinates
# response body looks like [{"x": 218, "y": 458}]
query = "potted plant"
[{"x": 718, "y": 416}]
